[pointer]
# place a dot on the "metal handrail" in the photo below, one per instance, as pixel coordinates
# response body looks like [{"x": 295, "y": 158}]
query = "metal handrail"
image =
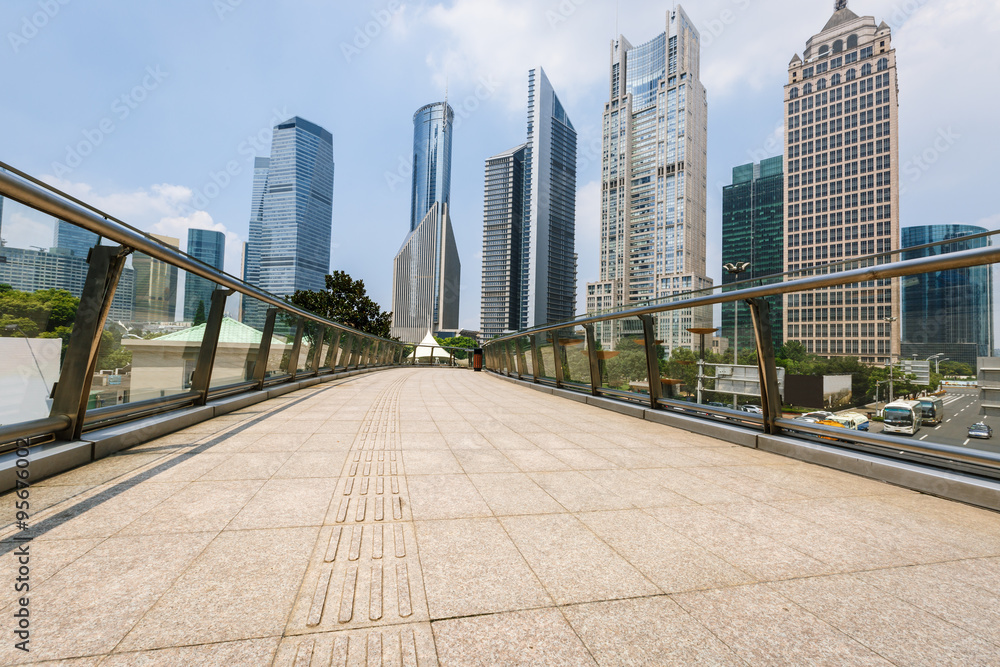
[
  {"x": 908, "y": 267},
  {"x": 41, "y": 199}
]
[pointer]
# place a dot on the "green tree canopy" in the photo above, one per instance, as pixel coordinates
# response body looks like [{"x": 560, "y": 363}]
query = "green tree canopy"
[
  {"x": 32, "y": 313},
  {"x": 345, "y": 301},
  {"x": 458, "y": 341}
]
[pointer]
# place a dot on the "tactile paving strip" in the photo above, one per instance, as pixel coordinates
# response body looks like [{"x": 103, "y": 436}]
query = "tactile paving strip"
[
  {"x": 395, "y": 646},
  {"x": 364, "y": 572}
]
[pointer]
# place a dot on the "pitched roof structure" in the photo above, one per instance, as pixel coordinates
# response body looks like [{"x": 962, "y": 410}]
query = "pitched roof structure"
[{"x": 231, "y": 332}]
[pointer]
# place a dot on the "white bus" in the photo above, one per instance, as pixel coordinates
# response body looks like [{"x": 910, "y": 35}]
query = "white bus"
[
  {"x": 901, "y": 417},
  {"x": 932, "y": 410}
]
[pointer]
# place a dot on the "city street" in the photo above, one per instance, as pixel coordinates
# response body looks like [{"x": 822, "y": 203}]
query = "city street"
[{"x": 961, "y": 405}]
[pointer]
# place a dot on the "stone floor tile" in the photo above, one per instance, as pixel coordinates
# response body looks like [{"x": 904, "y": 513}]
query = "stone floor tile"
[
  {"x": 248, "y": 466},
  {"x": 423, "y": 441},
  {"x": 409, "y": 645},
  {"x": 639, "y": 490},
  {"x": 198, "y": 507},
  {"x": 583, "y": 459},
  {"x": 285, "y": 503},
  {"x": 47, "y": 558},
  {"x": 512, "y": 639},
  {"x": 572, "y": 563},
  {"x": 484, "y": 460},
  {"x": 514, "y": 493},
  {"x": 103, "y": 511},
  {"x": 431, "y": 462},
  {"x": 241, "y": 587},
  {"x": 102, "y": 471},
  {"x": 250, "y": 652},
  {"x": 471, "y": 567},
  {"x": 535, "y": 460},
  {"x": 683, "y": 482},
  {"x": 646, "y": 631},
  {"x": 89, "y": 605},
  {"x": 578, "y": 493},
  {"x": 444, "y": 497},
  {"x": 305, "y": 464},
  {"x": 897, "y": 630},
  {"x": 765, "y": 628}
]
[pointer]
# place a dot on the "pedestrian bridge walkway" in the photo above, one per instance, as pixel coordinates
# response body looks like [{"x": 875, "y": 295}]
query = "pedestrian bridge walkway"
[{"x": 437, "y": 516}]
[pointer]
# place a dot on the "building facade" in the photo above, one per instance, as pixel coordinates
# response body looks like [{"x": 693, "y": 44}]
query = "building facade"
[
  {"x": 753, "y": 231},
  {"x": 209, "y": 247},
  {"x": 155, "y": 286},
  {"x": 432, "y": 128},
  {"x": 947, "y": 313},
  {"x": 291, "y": 217},
  {"x": 842, "y": 186},
  {"x": 75, "y": 239},
  {"x": 426, "y": 275},
  {"x": 503, "y": 211},
  {"x": 653, "y": 192}
]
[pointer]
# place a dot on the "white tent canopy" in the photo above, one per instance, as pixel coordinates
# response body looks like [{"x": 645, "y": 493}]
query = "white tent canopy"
[{"x": 429, "y": 347}]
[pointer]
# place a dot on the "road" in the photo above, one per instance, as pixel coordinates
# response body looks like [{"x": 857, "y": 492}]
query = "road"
[{"x": 961, "y": 410}]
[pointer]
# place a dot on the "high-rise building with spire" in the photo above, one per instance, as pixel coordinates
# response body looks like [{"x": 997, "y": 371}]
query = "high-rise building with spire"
[
  {"x": 653, "y": 191},
  {"x": 842, "y": 186},
  {"x": 432, "y": 127}
]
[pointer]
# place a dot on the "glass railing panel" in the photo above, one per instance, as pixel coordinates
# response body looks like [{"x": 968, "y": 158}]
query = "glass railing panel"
[
  {"x": 149, "y": 349},
  {"x": 327, "y": 357},
  {"x": 523, "y": 346},
  {"x": 307, "y": 349},
  {"x": 43, "y": 267},
  {"x": 280, "y": 354},
  {"x": 239, "y": 341},
  {"x": 546, "y": 356},
  {"x": 574, "y": 357},
  {"x": 621, "y": 355}
]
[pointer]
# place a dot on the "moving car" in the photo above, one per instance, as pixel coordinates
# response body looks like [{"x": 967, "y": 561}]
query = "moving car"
[
  {"x": 818, "y": 414},
  {"x": 750, "y": 407},
  {"x": 981, "y": 430}
]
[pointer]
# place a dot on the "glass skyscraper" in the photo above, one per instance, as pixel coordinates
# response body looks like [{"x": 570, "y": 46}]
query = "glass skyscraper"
[
  {"x": 292, "y": 212},
  {"x": 950, "y": 312},
  {"x": 209, "y": 247},
  {"x": 77, "y": 240},
  {"x": 155, "y": 286},
  {"x": 432, "y": 127},
  {"x": 753, "y": 231},
  {"x": 503, "y": 215},
  {"x": 653, "y": 190}
]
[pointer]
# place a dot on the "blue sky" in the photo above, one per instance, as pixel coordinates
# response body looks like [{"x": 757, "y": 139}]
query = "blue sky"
[{"x": 172, "y": 100}]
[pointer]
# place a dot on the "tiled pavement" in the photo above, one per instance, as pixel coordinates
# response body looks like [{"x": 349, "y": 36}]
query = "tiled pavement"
[{"x": 415, "y": 517}]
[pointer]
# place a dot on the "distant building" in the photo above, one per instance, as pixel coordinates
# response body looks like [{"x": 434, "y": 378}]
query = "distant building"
[
  {"x": 252, "y": 311},
  {"x": 291, "y": 212},
  {"x": 842, "y": 186},
  {"x": 155, "y": 286},
  {"x": 947, "y": 312},
  {"x": 432, "y": 127},
  {"x": 76, "y": 239},
  {"x": 425, "y": 279},
  {"x": 503, "y": 217},
  {"x": 753, "y": 231},
  {"x": 653, "y": 189},
  {"x": 209, "y": 247}
]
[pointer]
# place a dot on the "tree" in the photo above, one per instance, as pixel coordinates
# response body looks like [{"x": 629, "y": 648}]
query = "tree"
[
  {"x": 345, "y": 301},
  {"x": 199, "y": 315},
  {"x": 458, "y": 341}
]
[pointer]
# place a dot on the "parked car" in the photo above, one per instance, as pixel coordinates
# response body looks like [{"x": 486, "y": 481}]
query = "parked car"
[
  {"x": 818, "y": 414},
  {"x": 981, "y": 430},
  {"x": 750, "y": 407}
]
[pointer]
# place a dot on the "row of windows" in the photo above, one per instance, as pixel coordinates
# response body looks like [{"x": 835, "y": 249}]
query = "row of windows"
[
  {"x": 866, "y": 231},
  {"x": 839, "y": 298},
  {"x": 880, "y": 212},
  {"x": 837, "y": 346},
  {"x": 822, "y": 159},
  {"x": 837, "y": 250},
  {"x": 851, "y": 313}
]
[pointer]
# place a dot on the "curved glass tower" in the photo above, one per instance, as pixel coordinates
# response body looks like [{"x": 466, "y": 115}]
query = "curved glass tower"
[{"x": 432, "y": 125}]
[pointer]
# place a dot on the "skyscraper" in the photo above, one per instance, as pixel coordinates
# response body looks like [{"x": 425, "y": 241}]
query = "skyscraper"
[
  {"x": 252, "y": 311},
  {"x": 432, "y": 126},
  {"x": 842, "y": 185},
  {"x": 426, "y": 273},
  {"x": 753, "y": 231},
  {"x": 155, "y": 286},
  {"x": 76, "y": 239},
  {"x": 209, "y": 247},
  {"x": 948, "y": 312},
  {"x": 503, "y": 215},
  {"x": 291, "y": 212},
  {"x": 653, "y": 182}
]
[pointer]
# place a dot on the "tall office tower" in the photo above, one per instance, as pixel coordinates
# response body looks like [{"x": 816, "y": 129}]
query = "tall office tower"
[
  {"x": 426, "y": 276},
  {"x": 503, "y": 211},
  {"x": 291, "y": 212},
  {"x": 77, "y": 240},
  {"x": 842, "y": 186},
  {"x": 753, "y": 231},
  {"x": 155, "y": 286},
  {"x": 432, "y": 127},
  {"x": 548, "y": 276},
  {"x": 947, "y": 312},
  {"x": 209, "y": 247},
  {"x": 653, "y": 183},
  {"x": 252, "y": 312}
]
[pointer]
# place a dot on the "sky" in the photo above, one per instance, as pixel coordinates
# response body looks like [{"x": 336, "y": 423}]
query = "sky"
[{"x": 153, "y": 111}]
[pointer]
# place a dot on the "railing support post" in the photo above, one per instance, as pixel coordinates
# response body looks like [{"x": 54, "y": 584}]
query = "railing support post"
[
  {"x": 534, "y": 357},
  {"x": 770, "y": 392},
  {"x": 264, "y": 351},
  {"x": 557, "y": 357},
  {"x": 520, "y": 358},
  {"x": 293, "y": 361},
  {"x": 202, "y": 376},
  {"x": 318, "y": 341},
  {"x": 70, "y": 394},
  {"x": 510, "y": 364},
  {"x": 595, "y": 367},
  {"x": 652, "y": 363},
  {"x": 334, "y": 350}
]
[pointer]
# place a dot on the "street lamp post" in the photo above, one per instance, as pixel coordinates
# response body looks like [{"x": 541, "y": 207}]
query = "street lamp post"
[
  {"x": 889, "y": 321},
  {"x": 701, "y": 331},
  {"x": 936, "y": 358}
]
